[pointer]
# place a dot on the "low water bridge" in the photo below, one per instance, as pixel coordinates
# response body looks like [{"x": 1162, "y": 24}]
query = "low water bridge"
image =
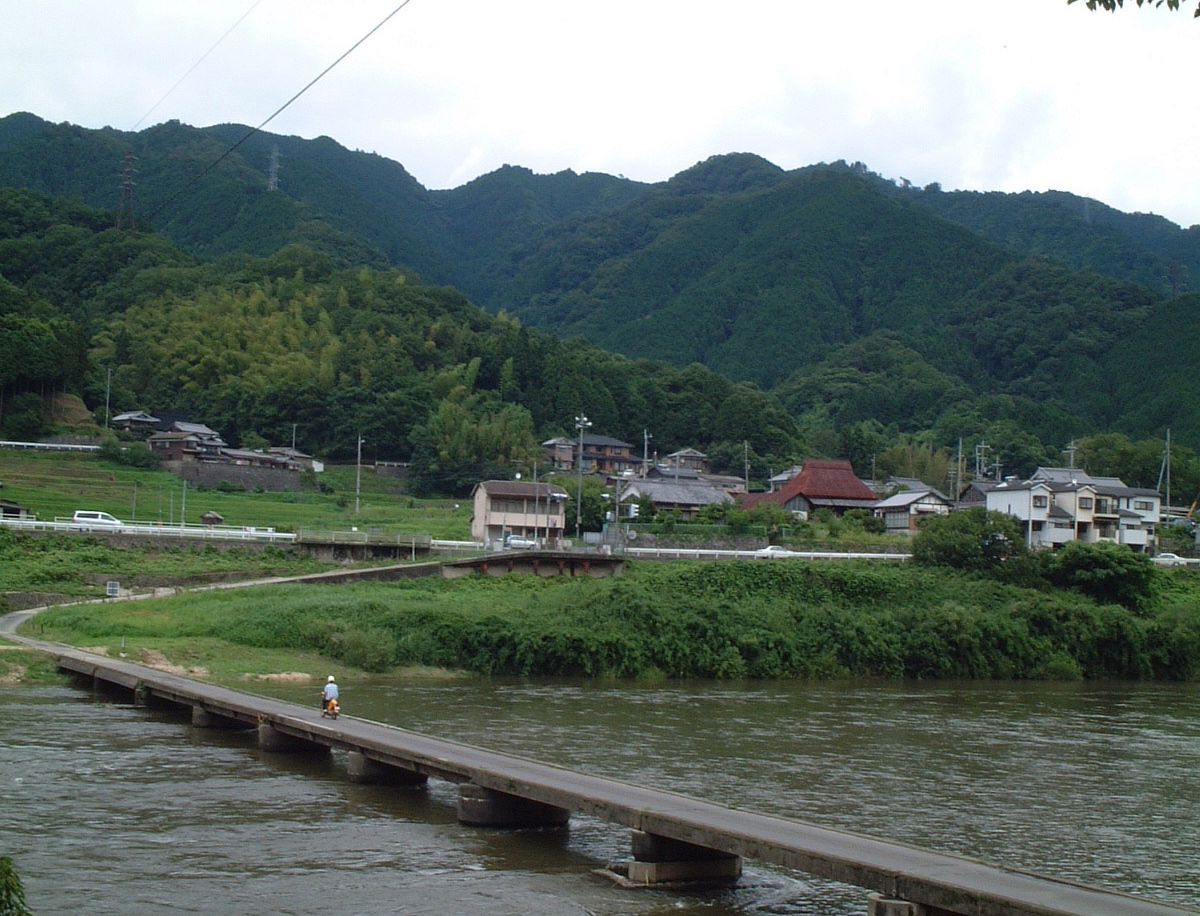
[{"x": 674, "y": 837}]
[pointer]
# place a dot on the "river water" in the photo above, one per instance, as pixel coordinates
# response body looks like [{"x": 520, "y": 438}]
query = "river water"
[{"x": 110, "y": 809}]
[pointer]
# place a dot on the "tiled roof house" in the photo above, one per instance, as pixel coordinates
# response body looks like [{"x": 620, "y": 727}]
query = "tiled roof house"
[{"x": 821, "y": 484}]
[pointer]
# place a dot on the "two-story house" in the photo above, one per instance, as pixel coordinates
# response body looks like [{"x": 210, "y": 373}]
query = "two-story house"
[
  {"x": 601, "y": 454},
  {"x": 1059, "y": 505},
  {"x": 517, "y": 508}
]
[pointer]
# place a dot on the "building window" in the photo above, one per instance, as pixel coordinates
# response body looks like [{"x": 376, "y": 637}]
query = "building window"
[
  {"x": 1085, "y": 502},
  {"x": 1040, "y": 502},
  {"x": 1143, "y": 505}
]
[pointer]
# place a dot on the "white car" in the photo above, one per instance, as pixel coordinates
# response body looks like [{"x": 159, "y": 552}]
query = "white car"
[
  {"x": 1169, "y": 559},
  {"x": 774, "y": 551},
  {"x": 521, "y": 544},
  {"x": 85, "y": 519}
]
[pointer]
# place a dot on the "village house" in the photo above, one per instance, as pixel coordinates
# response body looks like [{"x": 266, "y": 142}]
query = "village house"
[
  {"x": 903, "y": 512},
  {"x": 601, "y": 454},
  {"x": 187, "y": 442},
  {"x": 687, "y": 458},
  {"x": 821, "y": 484},
  {"x": 13, "y": 510},
  {"x": 136, "y": 421},
  {"x": 1059, "y": 505},
  {"x": 517, "y": 508},
  {"x": 686, "y": 496}
]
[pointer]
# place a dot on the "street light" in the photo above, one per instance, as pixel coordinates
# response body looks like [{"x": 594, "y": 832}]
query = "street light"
[{"x": 581, "y": 423}]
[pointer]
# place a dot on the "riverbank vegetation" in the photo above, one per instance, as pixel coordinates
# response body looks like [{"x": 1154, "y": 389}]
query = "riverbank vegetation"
[
  {"x": 713, "y": 620},
  {"x": 19, "y": 665},
  {"x": 78, "y": 566}
]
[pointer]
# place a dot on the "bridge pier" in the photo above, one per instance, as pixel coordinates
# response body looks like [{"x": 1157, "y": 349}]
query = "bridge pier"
[
  {"x": 480, "y": 807},
  {"x": 882, "y": 905},
  {"x": 202, "y": 718},
  {"x": 659, "y": 859},
  {"x": 145, "y": 697},
  {"x": 362, "y": 769},
  {"x": 274, "y": 741}
]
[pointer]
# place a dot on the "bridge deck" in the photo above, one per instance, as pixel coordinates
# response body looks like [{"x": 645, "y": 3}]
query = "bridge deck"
[{"x": 951, "y": 883}]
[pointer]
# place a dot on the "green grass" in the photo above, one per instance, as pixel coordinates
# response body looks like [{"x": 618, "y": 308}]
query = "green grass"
[
  {"x": 55, "y": 484},
  {"x": 71, "y": 564},
  {"x": 25, "y": 667},
  {"x": 715, "y": 620}
]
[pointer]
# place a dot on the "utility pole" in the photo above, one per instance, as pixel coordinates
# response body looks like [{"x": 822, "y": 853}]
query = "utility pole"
[
  {"x": 746, "y": 460},
  {"x": 581, "y": 423},
  {"x": 358, "y": 475},
  {"x": 536, "y": 503},
  {"x": 1069, "y": 451},
  {"x": 646, "y": 437},
  {"x": 107, "y": 393},
  {"x": 981, "y": 453},
  {"x": 293, "y": 439}
]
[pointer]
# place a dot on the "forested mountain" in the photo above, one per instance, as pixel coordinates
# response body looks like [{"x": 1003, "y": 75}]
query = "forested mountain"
[
  {"x": 252, "y": 346},
  {"x": 878, "y": 312},
  {"x": 1083, "y": 234}
]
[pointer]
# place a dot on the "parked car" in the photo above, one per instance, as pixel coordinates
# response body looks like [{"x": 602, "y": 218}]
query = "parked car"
[
  {"x": 521, "y": 544},
  {"x": 85, "y": 519},
  {"x": 1169, "y": 559},
  {"x": 775, "y": 551}
]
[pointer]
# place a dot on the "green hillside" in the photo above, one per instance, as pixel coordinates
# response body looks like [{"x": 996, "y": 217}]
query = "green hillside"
[{"x": 351, "y": 298}]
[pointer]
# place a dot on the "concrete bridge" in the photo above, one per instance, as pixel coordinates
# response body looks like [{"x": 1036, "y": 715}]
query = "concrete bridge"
[{"x": 674, "y": 837}]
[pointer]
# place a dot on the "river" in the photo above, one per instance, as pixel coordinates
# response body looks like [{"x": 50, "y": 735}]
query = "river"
[{"x": 110, "y": 809}]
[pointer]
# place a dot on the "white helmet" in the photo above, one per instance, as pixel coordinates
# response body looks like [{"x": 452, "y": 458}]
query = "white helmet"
[{"x": 331, "y": 679}]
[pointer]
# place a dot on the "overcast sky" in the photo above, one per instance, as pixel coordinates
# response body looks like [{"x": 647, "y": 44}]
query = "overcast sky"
[{"x": 975, "y": 94}]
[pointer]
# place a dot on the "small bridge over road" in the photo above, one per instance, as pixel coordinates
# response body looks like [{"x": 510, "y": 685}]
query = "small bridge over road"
[{"x": 674, "y": 837}]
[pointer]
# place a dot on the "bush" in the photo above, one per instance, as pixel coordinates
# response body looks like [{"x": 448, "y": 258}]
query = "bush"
[
  {"x": 974, "y": 540},
  {"x": 1106, "y": 572},
  {"x": 130, "y": 456},
  {"x": 12, "y": 893}
]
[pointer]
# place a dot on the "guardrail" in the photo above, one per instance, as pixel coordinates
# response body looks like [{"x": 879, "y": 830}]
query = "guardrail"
[
  {"x": 200, "y": 532},
  {"x": 363, "y": 537},
  {"x": 682, "y": 553},
  {"x": 49, "y": 446}
]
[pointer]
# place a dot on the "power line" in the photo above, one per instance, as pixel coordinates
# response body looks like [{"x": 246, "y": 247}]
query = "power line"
[
  {"x": 195, "y": 65},
  {"x": 278, "y": 111}
]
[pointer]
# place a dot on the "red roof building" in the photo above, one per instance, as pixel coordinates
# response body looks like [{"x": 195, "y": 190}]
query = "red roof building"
[{"x": 821, "y": 484}]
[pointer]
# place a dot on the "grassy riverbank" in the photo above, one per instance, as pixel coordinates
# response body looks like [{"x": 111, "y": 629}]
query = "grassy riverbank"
[
  {"x": 71, "y": 565},
  {"x": 715, "y": 620},
  {"x": 19, "y": 665}
]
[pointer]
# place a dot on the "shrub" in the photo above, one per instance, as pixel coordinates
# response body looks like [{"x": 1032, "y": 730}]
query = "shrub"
[
  {"x": 12, "y": 893},
  {"x": 974, "y": 540},
  {"x": 1106, "y": 572},
  {"x": 131, "y": 456}
]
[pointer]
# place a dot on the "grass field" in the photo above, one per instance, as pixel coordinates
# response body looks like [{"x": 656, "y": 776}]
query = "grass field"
[{"x": 54, "y": 485}]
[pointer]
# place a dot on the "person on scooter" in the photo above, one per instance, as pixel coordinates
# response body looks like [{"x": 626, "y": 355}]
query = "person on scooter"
[{"x": 329, "y": 693}]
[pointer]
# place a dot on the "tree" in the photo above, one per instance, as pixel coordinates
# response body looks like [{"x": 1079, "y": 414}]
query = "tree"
[
  {"x": 12, "y": 893},
  {"x": 1109, "y": 573},
  {"x": 1111, "y": 5},
  {"x": 974, "y": 540}
]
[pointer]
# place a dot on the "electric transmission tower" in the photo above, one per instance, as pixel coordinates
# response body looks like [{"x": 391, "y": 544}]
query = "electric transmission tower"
[{"x": 125, "y": 215}]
